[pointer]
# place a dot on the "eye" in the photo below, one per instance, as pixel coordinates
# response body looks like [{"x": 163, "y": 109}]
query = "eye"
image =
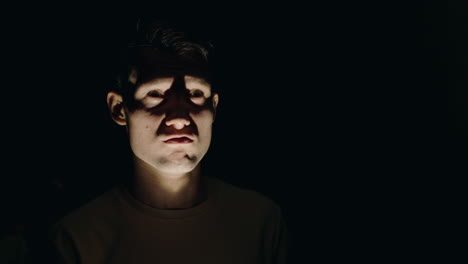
[
  {"x": 196, "y": 93},
  {"x": 197, "y": 96},
  {"x": 155, "y": 93},
  {"x": 153, "y": 98}
]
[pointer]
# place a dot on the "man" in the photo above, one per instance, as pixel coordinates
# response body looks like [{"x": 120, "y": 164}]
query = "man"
[{"x": 168, "y": 211}]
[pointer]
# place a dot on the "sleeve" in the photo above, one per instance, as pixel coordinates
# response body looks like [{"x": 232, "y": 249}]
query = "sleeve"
[
  {"x": 276, "y": 238},
  {"x": 62, "y": 249}
]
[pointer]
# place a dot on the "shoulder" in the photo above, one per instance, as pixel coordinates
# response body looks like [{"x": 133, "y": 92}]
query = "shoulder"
[
  {"x": 100, "y": 209},
  {"x": 90, "y": 226}
]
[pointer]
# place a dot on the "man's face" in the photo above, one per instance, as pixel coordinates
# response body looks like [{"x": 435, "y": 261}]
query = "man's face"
[{"x": 171, "y": 124}]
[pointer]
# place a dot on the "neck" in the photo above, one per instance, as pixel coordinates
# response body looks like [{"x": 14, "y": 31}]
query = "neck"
[{"x": 167, "y": 191}]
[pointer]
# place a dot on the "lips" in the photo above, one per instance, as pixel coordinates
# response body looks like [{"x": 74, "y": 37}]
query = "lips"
[{"x": 178, "y": 140}]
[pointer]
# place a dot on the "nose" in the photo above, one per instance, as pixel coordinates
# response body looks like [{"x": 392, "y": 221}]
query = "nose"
[
  {"x": 177, "y": 112},
  {"x": 178, "y": 122}
]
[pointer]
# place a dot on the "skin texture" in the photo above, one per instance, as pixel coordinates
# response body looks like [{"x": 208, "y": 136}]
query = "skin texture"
[{"x": 169, "y": 131}]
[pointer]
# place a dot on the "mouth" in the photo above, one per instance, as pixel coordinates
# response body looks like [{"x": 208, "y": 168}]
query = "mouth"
[{"x": 178, "y": 139}]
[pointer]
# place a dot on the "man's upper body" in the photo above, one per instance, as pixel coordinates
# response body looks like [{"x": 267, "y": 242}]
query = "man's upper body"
[
  {"x": 166, "y": 212},
  {"x": 232, "y": 225}
]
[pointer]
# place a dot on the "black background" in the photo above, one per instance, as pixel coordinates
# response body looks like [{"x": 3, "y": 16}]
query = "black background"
[{"x": 337, "y": 111}]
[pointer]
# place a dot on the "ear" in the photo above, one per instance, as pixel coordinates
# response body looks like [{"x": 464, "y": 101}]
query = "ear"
[
  {"x": 215, "y": 101},
  {"x": 116, "y": 108}
]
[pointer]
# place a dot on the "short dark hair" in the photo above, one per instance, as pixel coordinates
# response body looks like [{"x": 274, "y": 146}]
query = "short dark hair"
[{"x": 185, "y": 44}]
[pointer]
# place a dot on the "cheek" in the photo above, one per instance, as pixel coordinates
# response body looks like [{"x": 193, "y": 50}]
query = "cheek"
[
  {"x": 142, "y": 122},
  {"x": 204, "y": 121}
]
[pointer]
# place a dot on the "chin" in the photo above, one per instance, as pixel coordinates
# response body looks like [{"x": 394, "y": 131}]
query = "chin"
[
  {"x": 178, "y": 170},
  {"x": 178, "y": 167}
]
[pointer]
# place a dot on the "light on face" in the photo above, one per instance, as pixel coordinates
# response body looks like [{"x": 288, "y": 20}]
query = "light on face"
[{"x": 156, "y": 92}]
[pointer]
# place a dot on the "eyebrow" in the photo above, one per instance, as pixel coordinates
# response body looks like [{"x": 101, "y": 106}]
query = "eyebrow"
[
  {"x": 197, "y": 80},
  {"x": 157, "y": 81}
]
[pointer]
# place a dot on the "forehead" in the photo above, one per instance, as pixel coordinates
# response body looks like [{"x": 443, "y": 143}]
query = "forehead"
[
  {"x": 167, "y": 81},
  {"x": 150, "y": 65}
]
